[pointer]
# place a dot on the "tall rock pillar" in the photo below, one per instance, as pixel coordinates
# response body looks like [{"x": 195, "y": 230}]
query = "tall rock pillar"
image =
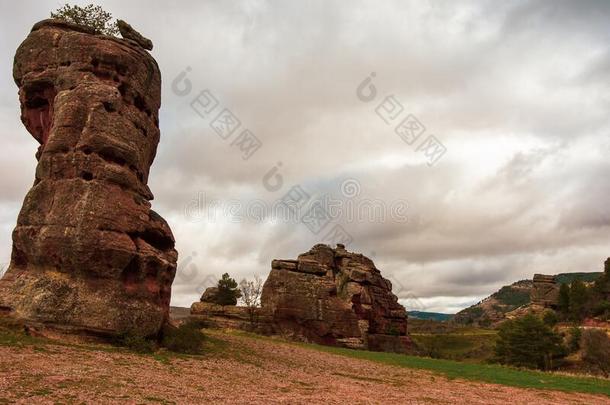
[{"x": 89, "y": 254}]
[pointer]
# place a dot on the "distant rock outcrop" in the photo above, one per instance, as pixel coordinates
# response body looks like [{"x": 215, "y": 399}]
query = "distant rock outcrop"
[
  {"x": 332, "y": 296},
  {"x": 545, "y": 291},
  {"x": 515, "y": 300},
  {"x": 89, "y": 254}
]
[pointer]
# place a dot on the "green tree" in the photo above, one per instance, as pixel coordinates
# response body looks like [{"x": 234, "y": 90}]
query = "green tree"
[
  {"x": 574, "y": 339},
  {"x": 91, "y": 16},
  {"x": 228, "y": 293},
  {"x": 528, "y": 342},
  {"x": 602, "y": 309},
  {"x": 578, "y": 300},
  {"x": 550, "y": 318},
  {"x": 602, "y": 284},
  {"x": 564, "y": 299}
]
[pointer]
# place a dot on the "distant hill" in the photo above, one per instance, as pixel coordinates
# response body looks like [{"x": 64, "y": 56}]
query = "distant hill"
[
  {"x": 508, "y": 298},
  {"x": 178, "y": 313},
  {"x": 433, "y": 316},
  {"x": 569, "y": 277}
]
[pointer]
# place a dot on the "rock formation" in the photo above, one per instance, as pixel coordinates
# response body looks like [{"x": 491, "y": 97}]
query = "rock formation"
[
  {"x": 332, "y": 296},
  {"x": 89, "y": 254},
  {"x": 210, "y": 295},
  {"x": 545, "y": 291}
]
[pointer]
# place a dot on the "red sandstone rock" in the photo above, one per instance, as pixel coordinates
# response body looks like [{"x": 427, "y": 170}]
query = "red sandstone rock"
[
  {"x": 332, "y": 296},
  {"x": 89, "y": 254}
]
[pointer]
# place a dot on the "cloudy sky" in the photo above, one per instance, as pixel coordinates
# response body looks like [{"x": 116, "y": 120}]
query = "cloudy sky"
[{"x": 508, "y": 178}]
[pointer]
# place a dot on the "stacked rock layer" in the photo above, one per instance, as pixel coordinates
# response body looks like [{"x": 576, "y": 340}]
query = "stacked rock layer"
[
  {"x": 331, "y": 296},
  {"x": 88, "y": 252}
]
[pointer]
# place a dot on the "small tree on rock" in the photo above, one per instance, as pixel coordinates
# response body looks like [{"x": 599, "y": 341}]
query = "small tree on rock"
[
  {"x": 228, "y": 293},
  {"x": 91, "y": 16}
]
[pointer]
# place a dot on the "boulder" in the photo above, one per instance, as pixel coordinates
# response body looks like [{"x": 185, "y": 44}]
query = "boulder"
[
  {"x": 331, "y": 296},
  {"x": 89, "y": 254},
  {"x": 210, "y": 295},
  {"x": 131, "y": 34}
]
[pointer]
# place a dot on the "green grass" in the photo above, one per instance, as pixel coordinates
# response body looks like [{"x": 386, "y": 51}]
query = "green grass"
[
  {"x": 461, "y": 345},
  {"x": 490, "y": 373}
]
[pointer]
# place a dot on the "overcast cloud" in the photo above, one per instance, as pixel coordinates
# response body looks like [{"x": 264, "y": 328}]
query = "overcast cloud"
[{"x": 518, "y": 93}]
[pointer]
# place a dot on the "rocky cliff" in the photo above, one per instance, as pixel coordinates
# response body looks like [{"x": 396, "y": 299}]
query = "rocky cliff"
[
  {"x": 332, "y": 296},
  {"x": 89, "y": 254}
]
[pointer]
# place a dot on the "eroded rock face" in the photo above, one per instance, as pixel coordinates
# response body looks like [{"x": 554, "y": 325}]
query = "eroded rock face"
[
  {"x": 88, "y": 252},
  {"x": 545, "y": 291},
  {"x": 210, "y": 295},
  {"x": 332, "y": 296}
]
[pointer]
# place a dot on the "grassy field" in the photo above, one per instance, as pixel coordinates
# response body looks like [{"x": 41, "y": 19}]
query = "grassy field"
[
  {"x": 490, "y": 373},
  {"x": 466, "y": 344},
  {"x": 482, "y": 372},
  {"x": 241, "y": 348}
]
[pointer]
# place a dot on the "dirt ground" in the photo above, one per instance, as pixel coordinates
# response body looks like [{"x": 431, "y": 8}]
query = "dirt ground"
[{"x": 237, "y": 369}]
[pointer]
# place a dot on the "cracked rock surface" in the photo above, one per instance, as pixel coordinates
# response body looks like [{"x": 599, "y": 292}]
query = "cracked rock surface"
[{"x": 89, "y": 254}]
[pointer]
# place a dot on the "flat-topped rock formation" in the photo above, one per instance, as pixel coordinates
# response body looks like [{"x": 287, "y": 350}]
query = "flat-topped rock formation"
[
  {"x": 545, "y": 291},
  {"x": 332, "y": 296},
  {"x": 89, "y": 254}
]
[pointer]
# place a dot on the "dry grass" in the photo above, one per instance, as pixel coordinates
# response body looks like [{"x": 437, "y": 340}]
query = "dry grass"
[{"x": 235, "y": 369}]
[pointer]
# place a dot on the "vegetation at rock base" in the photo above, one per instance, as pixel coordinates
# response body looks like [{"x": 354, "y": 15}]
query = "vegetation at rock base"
[
  {"x": 529, "y": 342},
  {"x": 579, "y": 300},
  {"x": 136, "y": 343},
  {"x": 251, "y": 291},
  {"x": 186, "y": 338},
  {"x": 574, "y": 337},
  {"x": 550, "y": 319},
  {"x": 91, "y": 16},
  {"x": 596, "y": 350}
]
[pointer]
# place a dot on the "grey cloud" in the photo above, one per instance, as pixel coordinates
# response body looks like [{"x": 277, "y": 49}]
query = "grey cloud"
[{"x": 515, "y": 90}]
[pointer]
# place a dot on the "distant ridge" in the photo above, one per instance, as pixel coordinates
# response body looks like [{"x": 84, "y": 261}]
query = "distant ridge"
[
  {"x": 434, "y": 316},
  {"x": 508, "y": 298}
]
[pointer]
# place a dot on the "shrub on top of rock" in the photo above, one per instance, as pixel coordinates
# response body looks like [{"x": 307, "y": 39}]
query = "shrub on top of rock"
[{"x": 91, "y": 16}]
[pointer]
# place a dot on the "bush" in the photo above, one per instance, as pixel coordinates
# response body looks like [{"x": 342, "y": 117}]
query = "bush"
[
  {"x": 186, "y": 338},
  {"x": 578, "y": 300},
  {"x": 135, "y": 342},
  {"x": 603, "y": 310},
  {"x": 574, "y": 339},
  {"x": 528, "y": 342},
  {"x": 90, "y": 16},
  {"x": 596, "y": 350},
  {"x": 550, "y": 318},
  {"x": 564, "y": 299}
]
